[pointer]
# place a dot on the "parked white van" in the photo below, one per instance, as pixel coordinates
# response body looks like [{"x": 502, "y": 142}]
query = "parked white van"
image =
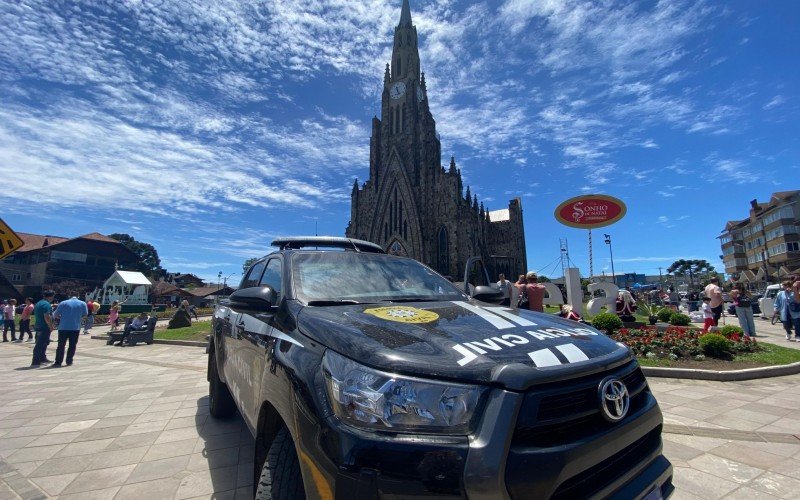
[{"x": 767, "y": 302}]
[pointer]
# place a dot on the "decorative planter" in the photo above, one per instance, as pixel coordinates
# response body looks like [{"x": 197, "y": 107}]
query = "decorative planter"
[{"x": 653, "y": 319}]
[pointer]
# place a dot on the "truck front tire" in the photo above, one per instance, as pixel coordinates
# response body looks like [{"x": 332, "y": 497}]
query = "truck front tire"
[
  {"x": 220, "y": 401},
  {"x": 281, "y": 478}
]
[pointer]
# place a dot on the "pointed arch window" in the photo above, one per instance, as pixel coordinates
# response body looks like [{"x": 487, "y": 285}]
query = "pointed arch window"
[
  {"x": 399, "y": 71},
  {"x": 443, "y": 257}
]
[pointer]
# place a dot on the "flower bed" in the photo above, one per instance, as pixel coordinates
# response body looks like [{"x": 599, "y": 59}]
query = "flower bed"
[{"x": 678, "y": 342}]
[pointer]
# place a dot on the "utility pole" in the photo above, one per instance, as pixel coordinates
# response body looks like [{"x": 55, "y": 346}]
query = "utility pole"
[{"x": 659, "y": 278}]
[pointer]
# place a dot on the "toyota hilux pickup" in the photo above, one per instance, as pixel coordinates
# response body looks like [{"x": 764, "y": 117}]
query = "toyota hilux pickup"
[{"x": 363, "y": 375}]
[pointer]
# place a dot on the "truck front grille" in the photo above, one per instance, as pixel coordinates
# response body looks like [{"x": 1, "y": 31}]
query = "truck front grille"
[{"x": 567, "y": 412}]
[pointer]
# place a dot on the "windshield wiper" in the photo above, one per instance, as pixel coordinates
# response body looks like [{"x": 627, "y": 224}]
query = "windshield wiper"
[
  {"x": 410, "y": 299},
  {"x": 334, "y": 302}
]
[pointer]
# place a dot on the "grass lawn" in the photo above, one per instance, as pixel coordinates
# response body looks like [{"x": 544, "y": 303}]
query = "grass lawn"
[
  {"x": 197, "y": 331},
  {"x": 768, "y": 355}
]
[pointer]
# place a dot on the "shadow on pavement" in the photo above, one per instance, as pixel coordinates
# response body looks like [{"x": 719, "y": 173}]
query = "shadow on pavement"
[{"x": 229, "y": 449}]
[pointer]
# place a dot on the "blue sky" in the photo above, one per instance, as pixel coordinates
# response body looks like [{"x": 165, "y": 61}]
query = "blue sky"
[{"x": 209, "y": 127}]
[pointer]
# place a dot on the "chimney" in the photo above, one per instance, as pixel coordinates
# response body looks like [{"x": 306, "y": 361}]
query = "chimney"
[{"x": 754, "y": 204}]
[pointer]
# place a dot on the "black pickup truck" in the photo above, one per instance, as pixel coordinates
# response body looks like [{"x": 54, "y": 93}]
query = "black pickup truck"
[{"x": 363, "y": 375}]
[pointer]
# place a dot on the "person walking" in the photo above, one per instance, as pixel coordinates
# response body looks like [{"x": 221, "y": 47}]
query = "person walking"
[
  {"x": 9, "y": 320},
  {"x": 43, "y": 314},
  {"x": 505, "y": 287},
  {"x": 25, "y": 320},
  {"x": 743, "y": 303},
  {"x": 91, "y": 306},
  {"x": 782, "y": 307},
  {"x": 535, "y": 292},
  {"x": 714, "y": 292},
  {"x": 69, "y": 313}
]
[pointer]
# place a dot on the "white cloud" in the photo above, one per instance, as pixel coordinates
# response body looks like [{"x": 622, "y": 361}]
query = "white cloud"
[{"x": 774, "y": 102}]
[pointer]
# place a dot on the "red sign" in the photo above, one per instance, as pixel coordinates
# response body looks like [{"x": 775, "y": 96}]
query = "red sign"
[{"x": 590, "y": 211}]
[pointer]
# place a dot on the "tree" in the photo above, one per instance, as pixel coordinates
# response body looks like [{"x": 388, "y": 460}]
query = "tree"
[
  {"x": 68, "y": 288},
  {"x": 249, "y": 262},
  {"x": 690, "y": 268},
  {"x": 148, "y": 261}
]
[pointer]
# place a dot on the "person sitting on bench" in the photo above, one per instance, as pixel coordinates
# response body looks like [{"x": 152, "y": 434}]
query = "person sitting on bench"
[{"x": 138, "y": 324}]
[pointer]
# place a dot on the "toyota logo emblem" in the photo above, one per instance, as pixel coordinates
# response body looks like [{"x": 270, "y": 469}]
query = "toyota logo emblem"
[{"x": 614, "y": 399}]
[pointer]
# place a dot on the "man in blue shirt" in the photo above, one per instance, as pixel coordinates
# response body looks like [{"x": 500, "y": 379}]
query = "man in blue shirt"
[
  {"x": 42, "y": 313},
  {"x": 69, "y": 313}
]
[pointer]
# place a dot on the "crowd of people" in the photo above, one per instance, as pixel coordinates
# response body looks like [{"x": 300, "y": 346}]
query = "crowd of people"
[
  {"x": 68, "y": 318},
  {"x": 711, "y": 302}
]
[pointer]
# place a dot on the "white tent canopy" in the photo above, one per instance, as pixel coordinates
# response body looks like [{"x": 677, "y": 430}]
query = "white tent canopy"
[
  {"x": 127, "y": 278},
  {"x": 131, "y": 287}
]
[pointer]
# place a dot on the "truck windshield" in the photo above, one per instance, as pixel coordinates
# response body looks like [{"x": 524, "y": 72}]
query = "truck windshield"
[{"x": 348, "y": 276}]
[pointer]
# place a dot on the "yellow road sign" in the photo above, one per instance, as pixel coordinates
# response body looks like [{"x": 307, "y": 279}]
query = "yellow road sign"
[{"x": 9, "y": 241}]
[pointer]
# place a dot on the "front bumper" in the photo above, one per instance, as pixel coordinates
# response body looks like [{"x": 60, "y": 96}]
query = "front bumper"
[{"x": 623, "y": 462}]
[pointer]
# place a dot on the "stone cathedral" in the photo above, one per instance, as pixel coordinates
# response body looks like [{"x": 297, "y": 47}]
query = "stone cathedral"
[{"x": 412, "y": 205}]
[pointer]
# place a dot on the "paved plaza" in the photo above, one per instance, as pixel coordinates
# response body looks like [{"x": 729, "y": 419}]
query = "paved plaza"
[{"x": 133, "y": 423}]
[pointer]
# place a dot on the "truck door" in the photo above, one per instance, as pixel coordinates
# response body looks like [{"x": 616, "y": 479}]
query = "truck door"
[
  {"x": 238, "y": 372},
  {"x": 258, "y": 339}
]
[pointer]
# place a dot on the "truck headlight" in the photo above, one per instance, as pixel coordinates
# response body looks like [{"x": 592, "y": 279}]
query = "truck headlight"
[{"x": 364, "y": 397}]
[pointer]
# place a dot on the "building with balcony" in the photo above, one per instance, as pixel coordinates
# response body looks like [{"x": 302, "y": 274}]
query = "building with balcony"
[{"x": 766, "y": 245}]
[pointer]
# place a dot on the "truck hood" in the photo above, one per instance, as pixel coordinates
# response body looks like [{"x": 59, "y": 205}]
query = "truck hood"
[{"x": 465, "y": 341}]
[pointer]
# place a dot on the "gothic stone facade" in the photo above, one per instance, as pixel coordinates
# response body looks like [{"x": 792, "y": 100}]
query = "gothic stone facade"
[{"x": 413, "y": 206}]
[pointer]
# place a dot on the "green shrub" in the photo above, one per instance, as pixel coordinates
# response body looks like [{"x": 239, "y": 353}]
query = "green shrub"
[
  {"x": 729, "y": 331},
  {"x": 679, "y": 319},
  {"x": 607, "y": 322},
  {"x": 664, "y": 315},
  {"x": 715, "y": 345}
]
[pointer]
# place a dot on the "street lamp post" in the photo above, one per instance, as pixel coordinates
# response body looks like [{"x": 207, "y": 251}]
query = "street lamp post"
[
  {"x": 219, "y": 281},
  {"x": 225, "y": 281},
  {"x": 611, "y": 253}
]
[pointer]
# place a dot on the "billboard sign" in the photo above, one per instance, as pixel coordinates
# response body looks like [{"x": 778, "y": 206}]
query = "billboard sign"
[{"x": 590, "y": 211}]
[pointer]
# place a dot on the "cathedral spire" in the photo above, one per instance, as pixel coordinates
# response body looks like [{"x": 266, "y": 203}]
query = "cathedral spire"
[
  {"x": 405, "y": 14},
  {"x": 452, "y": 164},
  {"x": 386, "y": 75}
]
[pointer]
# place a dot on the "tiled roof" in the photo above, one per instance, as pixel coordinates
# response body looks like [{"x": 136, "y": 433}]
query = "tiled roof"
[
  {"x": 39, "y": 241},
  {"x": 204, "y": 291},
  {"x": 98, "y": 237}
]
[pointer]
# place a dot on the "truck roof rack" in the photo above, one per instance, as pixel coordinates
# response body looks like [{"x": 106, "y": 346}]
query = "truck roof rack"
[{"x": 297, "y": 242}]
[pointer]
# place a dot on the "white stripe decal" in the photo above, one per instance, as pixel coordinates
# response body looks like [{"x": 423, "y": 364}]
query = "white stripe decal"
[
  {"x": 572, "y": 353},
  {"x": 544, "y": 357},
  {"x": 469, "y": 356},
  {"x": 496, "y": 321},
  {"x": 506, "y": 313}
]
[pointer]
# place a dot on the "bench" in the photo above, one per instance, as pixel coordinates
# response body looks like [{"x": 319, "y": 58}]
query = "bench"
[{"x": 145, "y": 335}]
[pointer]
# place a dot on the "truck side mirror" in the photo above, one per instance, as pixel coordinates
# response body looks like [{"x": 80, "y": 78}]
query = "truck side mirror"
[
  {"x": 487, "y": 294},
  {"x": 257, "y": 298}
]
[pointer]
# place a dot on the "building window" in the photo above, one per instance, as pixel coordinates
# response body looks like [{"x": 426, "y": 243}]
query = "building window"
[
  {"x": 443, "y": 260},
  {"x": 16, "y": 277}
]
